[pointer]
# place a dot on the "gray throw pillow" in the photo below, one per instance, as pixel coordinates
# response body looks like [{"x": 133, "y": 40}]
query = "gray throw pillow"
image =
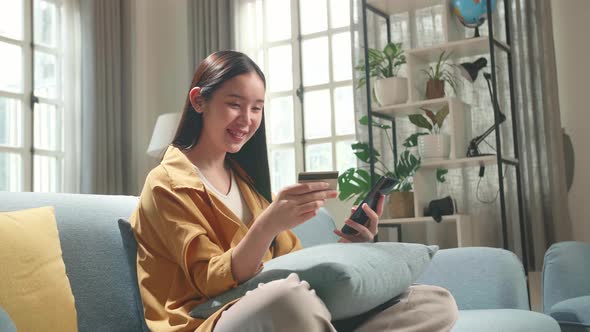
[{"x": 350, "y": 278}]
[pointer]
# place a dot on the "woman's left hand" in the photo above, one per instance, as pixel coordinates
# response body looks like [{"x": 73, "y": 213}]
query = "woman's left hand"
[{"x": 365, "y": 233}]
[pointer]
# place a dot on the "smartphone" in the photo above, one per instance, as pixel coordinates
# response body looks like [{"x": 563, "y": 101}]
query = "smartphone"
[
  {"x": 330, "y": 177},
  {"x": 382, "y": 187}
]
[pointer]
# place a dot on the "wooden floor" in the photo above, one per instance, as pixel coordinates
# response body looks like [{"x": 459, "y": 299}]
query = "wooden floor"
[{"x": 535, "y": 291}]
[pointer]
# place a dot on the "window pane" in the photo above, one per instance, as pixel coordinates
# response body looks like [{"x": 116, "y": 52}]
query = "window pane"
[
  {"x": 10, "y": 172},
  {"x": 345, "y": 158},
  {"x": 45, "y": 75},
  {"x": 11, "y": 19},
  {"x": 281, "y": 120},
  {"x": 282, "y": 170},
  {"x": 280, "y": 70},
  {"x": 46, "y": 174},
  {"x": 318, "y": 117},
  {"x": 10, "y": 122},
  {"x": 344, "y": 110},
  {"x": 341, "y": 57},
  {"x": 316, "y": 69},
  {"x": 318, "y": 157},
  {"x": 339, "y": 13},
  {"x": 48, "y": 126},
  {"x": 314, "y": 16},
  {"x": 11, "y": 67},
  {"x": 45, "y": 23},
  {"x": 278, "y": 20}
]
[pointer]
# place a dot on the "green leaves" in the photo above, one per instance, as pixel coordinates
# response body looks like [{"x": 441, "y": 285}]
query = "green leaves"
[
  {"x": 405, "y": 170},
  {"x": 361, "y": 151},
  {"x": 436, "y": 120},
  {"x": 383, "y": 64},
  {"x": 420, "y": 121},
  {"x": 354, "y": 182},
  {"x": 441, "y": 174},
  {"x": 412, "y": 140},
  {"x": 365, "y": 121}
]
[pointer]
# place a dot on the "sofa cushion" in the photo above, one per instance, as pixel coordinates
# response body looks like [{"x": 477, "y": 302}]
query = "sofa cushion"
[
  {"x": 505, "y": 320},
  {"x": 317, "y": 230},
  {"x": 6, "y": 323},
  {"x": 574, "y": 311},
  {"x": 351, "y": 278},
  {"x": 35, "y": 291}
]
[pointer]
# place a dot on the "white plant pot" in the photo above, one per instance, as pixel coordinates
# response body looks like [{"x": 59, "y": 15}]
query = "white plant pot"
[
  {"x": 434, "y": 147},
  {"x": 391, "y": 90}
]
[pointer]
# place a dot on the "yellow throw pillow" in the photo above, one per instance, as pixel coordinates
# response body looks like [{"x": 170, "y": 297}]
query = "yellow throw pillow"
[{"x": 34, "y": 288}]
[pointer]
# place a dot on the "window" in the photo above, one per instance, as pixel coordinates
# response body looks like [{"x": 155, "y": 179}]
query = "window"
[
  {"x": 31, "y": 99},
  {"x": 304, "y": 49}
]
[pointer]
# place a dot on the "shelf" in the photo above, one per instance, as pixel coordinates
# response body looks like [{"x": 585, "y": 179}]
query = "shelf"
[
  {"x": 402, "y": 110},
  {"x": 419, "y": 220},
  {"x": 401, "y": 6},
  {"x": 461, "y": 48},
  {"x": 464, "y": 162}
]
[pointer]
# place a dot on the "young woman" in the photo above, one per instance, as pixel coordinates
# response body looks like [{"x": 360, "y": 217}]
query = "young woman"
[{"x": 206, "y": 222}]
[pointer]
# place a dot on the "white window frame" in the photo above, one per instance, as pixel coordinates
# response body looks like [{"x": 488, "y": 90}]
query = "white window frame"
[
  {"x": 27, "y": 151},
  {"x": 300, "y": 142}
]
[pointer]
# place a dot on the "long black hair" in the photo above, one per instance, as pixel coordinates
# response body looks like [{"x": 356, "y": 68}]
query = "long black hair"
[{"x": 211, "y": 73}]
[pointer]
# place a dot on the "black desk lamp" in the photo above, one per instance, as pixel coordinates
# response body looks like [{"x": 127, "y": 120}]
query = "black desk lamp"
[
  {"x": 472, "y": 149},
  {"x": 470, "y": 70}
]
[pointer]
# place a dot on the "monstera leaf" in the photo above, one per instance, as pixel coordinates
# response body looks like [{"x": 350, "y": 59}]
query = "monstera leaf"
[
  {"x": 354, "y": 182},
  {"x": 365, "y": 121},
  {"x": 361, "y": 151}
]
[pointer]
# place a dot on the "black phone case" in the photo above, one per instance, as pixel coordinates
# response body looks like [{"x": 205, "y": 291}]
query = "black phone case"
[{"x": 359, "y": 216}]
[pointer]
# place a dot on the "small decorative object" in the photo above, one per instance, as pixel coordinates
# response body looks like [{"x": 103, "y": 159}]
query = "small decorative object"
[
  {"x": 384, "y": 66},
  {"x": 440, "y": 207},
  {"x": 472, "y": 13},
  {"x": 435, "y": 145},
  {"x": 438, "y": 75}
]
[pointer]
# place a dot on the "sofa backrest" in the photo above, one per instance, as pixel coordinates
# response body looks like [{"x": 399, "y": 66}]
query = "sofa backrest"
[
  {"x": 95, "y": 258},
  {"x": 93, "y": 254}
]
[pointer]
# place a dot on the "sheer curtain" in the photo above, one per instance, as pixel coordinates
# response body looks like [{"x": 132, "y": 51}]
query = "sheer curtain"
[
  {"x": 104, "y": 118},
  {"x": 537, "y": 110},
  {"x": 72, "y": 94}
]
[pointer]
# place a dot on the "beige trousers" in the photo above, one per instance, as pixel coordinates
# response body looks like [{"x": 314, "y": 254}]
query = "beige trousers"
[{"x": 290, "y": 305}]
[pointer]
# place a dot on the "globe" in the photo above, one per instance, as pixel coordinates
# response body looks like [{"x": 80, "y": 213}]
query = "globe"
[{"x": 472, "y": 13}]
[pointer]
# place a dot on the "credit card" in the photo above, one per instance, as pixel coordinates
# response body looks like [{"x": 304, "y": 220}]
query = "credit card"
[{"x": 330, "y": 177}]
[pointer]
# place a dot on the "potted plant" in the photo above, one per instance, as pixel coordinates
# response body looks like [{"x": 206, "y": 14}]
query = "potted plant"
[
  {"x": 384, "y": 67},
  {"x": 437, "y": 76},
  {"x": 434, "y": 145},
  {"x": 355, "y": 182}
]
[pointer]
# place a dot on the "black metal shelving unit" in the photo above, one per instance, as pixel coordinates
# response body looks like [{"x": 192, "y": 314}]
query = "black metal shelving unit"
[{"x": 494, "y": 45}]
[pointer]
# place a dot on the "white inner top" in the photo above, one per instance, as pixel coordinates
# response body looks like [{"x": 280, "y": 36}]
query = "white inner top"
[{"x": 233, "y": 200}]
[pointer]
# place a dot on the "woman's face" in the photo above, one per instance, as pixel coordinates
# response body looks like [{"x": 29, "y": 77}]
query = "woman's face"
[{"x": 233, "y": 113}]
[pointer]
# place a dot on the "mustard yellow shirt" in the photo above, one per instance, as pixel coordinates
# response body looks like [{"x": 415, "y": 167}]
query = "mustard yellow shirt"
[{"x": 185, "y": 239}]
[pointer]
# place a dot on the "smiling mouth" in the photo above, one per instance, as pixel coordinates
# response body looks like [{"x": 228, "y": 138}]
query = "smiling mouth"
[{"x": 237, "y": 133}]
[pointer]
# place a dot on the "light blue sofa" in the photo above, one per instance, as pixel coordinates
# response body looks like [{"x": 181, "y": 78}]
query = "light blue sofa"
[
  {"x": 488, "y": 284},
  {"x": 566, "y": 285}
]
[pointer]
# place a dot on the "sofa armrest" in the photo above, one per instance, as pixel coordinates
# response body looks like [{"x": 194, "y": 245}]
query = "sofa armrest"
[
  {"x": 480, "y": 278},
  {"x": 566, "y": 273}
]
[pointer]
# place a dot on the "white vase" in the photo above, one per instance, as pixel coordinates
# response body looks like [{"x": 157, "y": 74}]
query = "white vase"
[
  {"x": 391, "y": 90},
  {"x": 434, "y": 147}
]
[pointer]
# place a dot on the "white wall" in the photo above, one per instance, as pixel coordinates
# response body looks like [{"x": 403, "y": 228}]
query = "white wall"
[
  {"x": 572, "y": 50},
  {"x": 161, "y": 72}
]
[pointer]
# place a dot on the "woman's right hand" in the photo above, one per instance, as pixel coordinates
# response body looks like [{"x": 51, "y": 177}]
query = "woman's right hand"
[{"x": 294, "y": 205}]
